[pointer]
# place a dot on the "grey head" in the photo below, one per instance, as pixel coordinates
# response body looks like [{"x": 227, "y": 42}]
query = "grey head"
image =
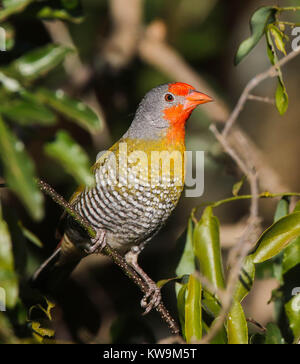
[{"x": 152, "y": 119}]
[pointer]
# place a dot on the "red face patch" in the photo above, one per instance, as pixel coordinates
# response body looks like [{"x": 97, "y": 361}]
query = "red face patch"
[
  {"x": 180, "y": 88},
  {"x": 177, "y": 116}
]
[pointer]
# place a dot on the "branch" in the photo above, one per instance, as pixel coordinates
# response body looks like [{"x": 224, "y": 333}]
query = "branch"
[
  {"x": 108, "y": 251},
  {"x": 252, "y": 84}
]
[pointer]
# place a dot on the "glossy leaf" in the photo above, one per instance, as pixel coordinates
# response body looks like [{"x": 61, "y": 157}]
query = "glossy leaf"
[
  {"x": 8, "y": 278},
  {"x": 181, "y": 299},
  {"x": 277, "y": 237},
  {"x": 291, "y": 256},
  {"x": 260, "y": 19},
  {"x": 281, "y": 97},
  {"x": 26, "y": 112},
  {"x": 74, "y": 110},
  {"x": 237, "y": 328},
  {"x": 292, "y": 309},
  {"x": 19, "y": 172},
  {"x": 38, "y": 62},
  {"x": 273, "y": 335},
  {"x": 193, "y": 311},
  {"x": 187, "y": 261},
  {"x": 72, "y": 157},
  {"x": 206, "y": 241},
  {"x": 12, "y": 7},
  {"x": 278, "y": 38},
  {"x": 9, "y": 36},
  {"x": 246, "y": 279}
]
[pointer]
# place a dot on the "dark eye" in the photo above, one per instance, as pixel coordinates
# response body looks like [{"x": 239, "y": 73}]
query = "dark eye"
[{"x": 169, "y": 97}]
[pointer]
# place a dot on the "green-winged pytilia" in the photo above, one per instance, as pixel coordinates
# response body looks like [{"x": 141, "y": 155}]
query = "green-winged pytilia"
[{"x": 134, "y": 192}]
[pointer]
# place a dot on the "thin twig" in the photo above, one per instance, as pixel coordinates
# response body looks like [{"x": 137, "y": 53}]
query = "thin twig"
[
  {"x": 252, "y": 84},
  {"x": 114, "y": 255},
  {"x": 266, "y": 100}
]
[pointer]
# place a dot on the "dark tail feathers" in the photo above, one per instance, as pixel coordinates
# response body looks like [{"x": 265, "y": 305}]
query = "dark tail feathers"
[{"x": 48, "y": 279}]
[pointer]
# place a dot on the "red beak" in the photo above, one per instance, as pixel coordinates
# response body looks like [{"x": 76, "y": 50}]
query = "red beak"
[{"x": 195, "y": 98}]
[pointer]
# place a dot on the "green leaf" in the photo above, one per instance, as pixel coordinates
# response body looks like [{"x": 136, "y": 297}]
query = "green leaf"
[
  {"x": 9, "y": 35},
  {"x": 282, "y": 98},
  {"x": 187, "y": 261},
  {"x": 19, "y": 172},
  {"x": 282, "y": 209},
  {"x": 181, "y": 298},
  {"x": 292, "y": 309},
  {"x": 71, "y": 11},
  {"x": 38, "y": 62},
  {"x": 237, "y": 328},
  {"x": 278, "y": 38},
  {"x": 277, "y": 237},
  {"x": 26, "y": 112},
  {"x": 9, "y": 289},
  {"x": 237, "y": 187},
  {"x": 246, "y": 279},
  {"x": 30, "y": 236},
  {"x": 193, "y": 312},
  {"x": 260, "y": 19},
  {"x": 75, "y": 110},
  {"x": 274, "y": 335},
  {"x": 207, "y": 248},
  {"x": 12, "y": 7},
  {"x": 72, "y": 157},
  {"x": 291, "y": 256}
]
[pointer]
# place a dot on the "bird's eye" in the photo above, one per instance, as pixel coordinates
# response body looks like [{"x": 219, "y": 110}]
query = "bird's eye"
[{"x": 169, "y": 97}]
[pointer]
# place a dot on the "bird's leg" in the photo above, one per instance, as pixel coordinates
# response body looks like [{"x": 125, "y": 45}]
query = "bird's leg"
[
  {"x": 153, "y": 297},
  {"x": 97, "y": 243}
]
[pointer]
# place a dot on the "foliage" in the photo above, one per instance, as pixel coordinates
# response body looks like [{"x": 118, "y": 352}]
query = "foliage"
[{"x": 28, "y": 104}]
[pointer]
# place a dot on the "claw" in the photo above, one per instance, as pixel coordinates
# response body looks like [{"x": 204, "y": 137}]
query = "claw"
[
  {"x": 97, "y": 243},
  {"x": 151, "y": 299}
]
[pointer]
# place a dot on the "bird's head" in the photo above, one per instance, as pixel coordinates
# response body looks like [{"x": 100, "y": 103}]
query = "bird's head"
[{"x": 164, "y": 110}]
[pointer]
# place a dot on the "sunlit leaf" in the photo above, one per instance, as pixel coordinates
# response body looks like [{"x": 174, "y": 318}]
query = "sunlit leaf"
[
  {"x": 38, "y": 62},
  {"x": 12, "y": 7},
  {"x": 260, "y": 19},
  {"x": 9, "y": 289},
  {"x": 278, "y": 38},
  {"x": 193, "y": 311},
  {"x": 69, "y": 10},
  {"x": 282, "y": 98},
  {"x": 206, "y": 241},
  {"x": 74, "y": 110},
  {"x": 277, "y": 237},
  {"x": 292, "y": 309},
  {"x": 237, "y": 328},
  {"x": 19, "y": 171},
  {"x": 291, "y": 256},
  {"x": 187, "y": 261},
  {"x": 72, "y": 157},
  {"x": 282, "y": 208}
]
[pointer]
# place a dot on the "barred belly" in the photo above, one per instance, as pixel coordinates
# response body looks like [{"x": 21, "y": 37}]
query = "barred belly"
[{"x": 129, "y": 215}]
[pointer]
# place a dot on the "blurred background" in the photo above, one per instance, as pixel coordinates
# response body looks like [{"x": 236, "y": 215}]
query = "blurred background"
[{"x": 125, "y": 48}]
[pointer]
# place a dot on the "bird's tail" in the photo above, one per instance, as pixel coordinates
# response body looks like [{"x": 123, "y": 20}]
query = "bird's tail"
[{"x": 51, "y": 275}]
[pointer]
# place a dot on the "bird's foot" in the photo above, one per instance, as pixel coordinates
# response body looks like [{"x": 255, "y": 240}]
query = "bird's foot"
[
  {"x": 97, "y": 243},
  {"x": 152, "y": 298}
]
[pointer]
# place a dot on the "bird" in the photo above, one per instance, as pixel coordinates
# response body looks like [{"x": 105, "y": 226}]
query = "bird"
[{"x": 134, "y": 192}]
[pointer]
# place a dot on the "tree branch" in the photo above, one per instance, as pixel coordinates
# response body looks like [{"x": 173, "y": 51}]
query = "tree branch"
[{"x": 111, "y": 253}]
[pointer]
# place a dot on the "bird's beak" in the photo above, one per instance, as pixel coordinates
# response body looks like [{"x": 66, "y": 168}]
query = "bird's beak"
[{"x": 195, "y": 98}]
